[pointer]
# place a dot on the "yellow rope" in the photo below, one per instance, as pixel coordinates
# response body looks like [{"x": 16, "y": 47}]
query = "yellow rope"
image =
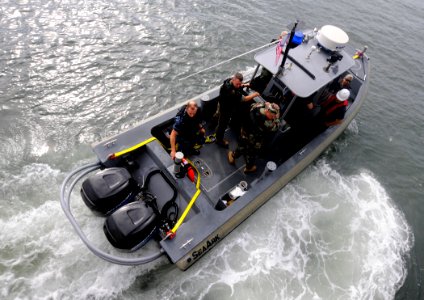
[
  {"x": 190, "y": 204},
  {"x": 117, "y": 154}
]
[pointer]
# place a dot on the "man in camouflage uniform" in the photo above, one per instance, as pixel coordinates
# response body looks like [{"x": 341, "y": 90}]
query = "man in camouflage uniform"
[{"x": 264, "y": 118}]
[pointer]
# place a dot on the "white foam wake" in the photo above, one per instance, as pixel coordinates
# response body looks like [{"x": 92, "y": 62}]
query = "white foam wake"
[
  {"x": 324, "y": 236},
  {"x": 40, "y": 255}
]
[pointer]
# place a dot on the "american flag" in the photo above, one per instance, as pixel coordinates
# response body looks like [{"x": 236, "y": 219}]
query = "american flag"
[{"x": 280, "y": 48}]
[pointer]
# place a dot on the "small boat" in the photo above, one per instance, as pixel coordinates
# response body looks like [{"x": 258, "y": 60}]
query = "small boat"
[{"x": 152, "y": 205}]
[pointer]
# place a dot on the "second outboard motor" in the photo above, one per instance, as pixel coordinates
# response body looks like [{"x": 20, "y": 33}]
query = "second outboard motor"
[
  {"x": 108, "y": 189},
  {"x": 131, "y": 226}
]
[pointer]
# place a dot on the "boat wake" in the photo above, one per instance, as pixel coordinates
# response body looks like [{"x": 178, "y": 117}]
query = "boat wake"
[{"x": 327, "y": 236}]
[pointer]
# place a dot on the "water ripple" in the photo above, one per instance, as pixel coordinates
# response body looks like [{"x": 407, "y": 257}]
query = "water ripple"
[{"x": 75, "y": 72}]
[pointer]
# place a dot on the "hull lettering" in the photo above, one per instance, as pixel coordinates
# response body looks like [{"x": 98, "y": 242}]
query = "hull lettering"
[{"x": 206, "y": 246}]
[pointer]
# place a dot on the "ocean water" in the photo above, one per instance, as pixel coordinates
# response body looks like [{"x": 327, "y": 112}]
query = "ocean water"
[{"x": 75, "y": 72}]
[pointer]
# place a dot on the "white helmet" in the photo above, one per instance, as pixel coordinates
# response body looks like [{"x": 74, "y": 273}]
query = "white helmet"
[{"x": 343, "y": 94}]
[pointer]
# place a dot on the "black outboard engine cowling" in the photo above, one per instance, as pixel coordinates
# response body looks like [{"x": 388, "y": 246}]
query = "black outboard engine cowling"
[
  {"x": 130, "y": 226},
  {"x": 108, "y": 189}
]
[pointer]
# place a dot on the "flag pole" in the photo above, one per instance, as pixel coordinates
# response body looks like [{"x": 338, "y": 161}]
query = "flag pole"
[{"x": 286, "y": 51}]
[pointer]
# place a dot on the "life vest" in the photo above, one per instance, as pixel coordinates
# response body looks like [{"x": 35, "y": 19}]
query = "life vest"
[
  {"x": 336, "y": 106},
  {"x": 332, "y": 104}
]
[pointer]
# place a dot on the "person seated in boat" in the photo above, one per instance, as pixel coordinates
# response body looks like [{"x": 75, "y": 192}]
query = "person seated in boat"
[
  {"x": 337, "y": 85},
  {"x": 264, "y": 118},
  {"x": 333, "y": 109},
  {"x": 187, "y": 130},
  {"x": 232, "y": 103},
  {"x": 342, "y": 83}
]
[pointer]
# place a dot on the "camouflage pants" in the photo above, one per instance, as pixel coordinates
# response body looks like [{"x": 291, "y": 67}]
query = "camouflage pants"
[{"x": 250, "y": 144}]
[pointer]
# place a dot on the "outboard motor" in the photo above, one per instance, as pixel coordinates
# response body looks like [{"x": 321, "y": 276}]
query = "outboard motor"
[
  {"x": 153, "y": 213},
  {"x": 108, "y": 189},
  {"x": 131, "y": 226}
]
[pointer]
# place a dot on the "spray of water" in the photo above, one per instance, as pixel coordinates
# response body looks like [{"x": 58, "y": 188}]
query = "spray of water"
[{"x": 324, "y": 236}]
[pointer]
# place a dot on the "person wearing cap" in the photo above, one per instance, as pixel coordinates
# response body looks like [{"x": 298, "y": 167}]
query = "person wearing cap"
[
  {"x": 187, "y": 130},
  {"x": 231, "y": 100},
  {"x": 334, "y": 108},
  {"x": 264, "y": 118}
]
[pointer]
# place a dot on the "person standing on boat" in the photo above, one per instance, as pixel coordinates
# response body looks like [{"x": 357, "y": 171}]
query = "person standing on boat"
[
  {"x": 333, "y": 109},
  {"x": 264, "y": 119},
  {"x": 232, "y": 103},
  {"x": 187, "y": 130}
]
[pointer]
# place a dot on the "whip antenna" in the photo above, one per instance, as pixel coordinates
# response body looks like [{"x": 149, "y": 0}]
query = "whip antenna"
[{"x": 228, "y": 60}]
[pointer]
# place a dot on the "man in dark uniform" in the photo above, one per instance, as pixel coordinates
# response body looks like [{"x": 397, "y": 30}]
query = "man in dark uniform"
[
  {"x": 264, "y": 118},
  {"x": 187, "y": 130},
  {"x": 231, "y": 100}
]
